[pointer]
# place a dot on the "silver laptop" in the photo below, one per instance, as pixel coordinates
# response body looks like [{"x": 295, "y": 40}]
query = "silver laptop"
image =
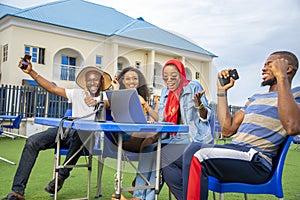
[{"x": 126, "y": 106}]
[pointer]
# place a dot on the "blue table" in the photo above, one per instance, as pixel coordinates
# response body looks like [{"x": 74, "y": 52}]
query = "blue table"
[{"x": 89, "y": 125}]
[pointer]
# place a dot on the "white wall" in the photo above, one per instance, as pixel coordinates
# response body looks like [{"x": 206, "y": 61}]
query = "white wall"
[{"x": 55, "y": 39}]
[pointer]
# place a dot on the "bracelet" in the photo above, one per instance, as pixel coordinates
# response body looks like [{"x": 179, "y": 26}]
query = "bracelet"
[
  {"x": 36, "y": 76},
  {"x": 200, "y": 107},
  {"x": 222, "y": 94}
]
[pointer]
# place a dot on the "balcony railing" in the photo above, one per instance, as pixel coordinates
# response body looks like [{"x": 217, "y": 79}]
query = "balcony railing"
[{"x": 65, "y": 72}]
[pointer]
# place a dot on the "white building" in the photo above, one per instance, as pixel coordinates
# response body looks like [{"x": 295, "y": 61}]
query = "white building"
[{"x": 64, "y": 36}]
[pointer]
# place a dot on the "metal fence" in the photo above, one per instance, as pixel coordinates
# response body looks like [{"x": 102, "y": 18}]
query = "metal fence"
[
  {"x": 34, "y": 101},
  {"x": 31, "y": 101}
]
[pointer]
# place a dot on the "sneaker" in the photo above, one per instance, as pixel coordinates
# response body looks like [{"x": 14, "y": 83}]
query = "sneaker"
[
  {"x": 14, "y": 196},
  {"x": 51, "y": 186}
]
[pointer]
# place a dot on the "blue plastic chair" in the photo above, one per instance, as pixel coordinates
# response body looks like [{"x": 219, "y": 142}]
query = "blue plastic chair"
[
  {"x": 68, "y": 113},
  {"x": 296, "y": 140},
  {"x": 15, "y": 125},
  {"x": 272, "y": 186}
]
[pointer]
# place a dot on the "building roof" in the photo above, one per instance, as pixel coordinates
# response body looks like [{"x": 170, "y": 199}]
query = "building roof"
[
  {"x": 90, "y": 17},
  {"x": 5, "y": 9}
]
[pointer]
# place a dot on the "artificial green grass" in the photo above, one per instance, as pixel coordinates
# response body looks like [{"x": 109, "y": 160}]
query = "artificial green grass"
[{"x": 76, "y": 185}]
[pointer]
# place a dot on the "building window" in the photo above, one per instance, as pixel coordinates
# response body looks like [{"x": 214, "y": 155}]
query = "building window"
[
  {"x": 99, "y": 61},
  {"x": 5, "y": 53},
  {"x": 137, "y": 64},
  {"x": 197, "y": 75},
  {"x": 41, "y": 57},
  {"x": 68, "y": 68},
  {"x": 37, "y": 54},
  {"x": 120, "y": 66}
]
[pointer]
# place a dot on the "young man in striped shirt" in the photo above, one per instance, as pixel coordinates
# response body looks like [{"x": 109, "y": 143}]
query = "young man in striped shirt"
[{"x": 259, "y": 129}]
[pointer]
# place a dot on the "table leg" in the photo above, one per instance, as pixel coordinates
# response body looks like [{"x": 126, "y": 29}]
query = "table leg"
[
  {"x": 157, "y": 177},
  {"x": 56, "y": 167},
  {"x": 119, "y": 165}
]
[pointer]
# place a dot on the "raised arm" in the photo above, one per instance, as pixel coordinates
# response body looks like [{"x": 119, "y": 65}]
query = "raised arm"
[
  {"x": 44, "y": 83},
  {"x": 288, "y": 109},
  {"x": 228, "y": 123}
]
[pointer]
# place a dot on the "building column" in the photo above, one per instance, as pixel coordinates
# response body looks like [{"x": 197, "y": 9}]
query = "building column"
[
  {"x": 115, "y": 53},
  {"x": 183, "y": 61},
  {"x": 151, "y": 64}
]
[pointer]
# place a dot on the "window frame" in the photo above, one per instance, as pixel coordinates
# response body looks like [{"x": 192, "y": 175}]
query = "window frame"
[
  {"x": 98, "y": 61},
  {"x": 37, "y": 53},
  {"x": 68, "y": 67},
  {"x": 5, "y": 53}
]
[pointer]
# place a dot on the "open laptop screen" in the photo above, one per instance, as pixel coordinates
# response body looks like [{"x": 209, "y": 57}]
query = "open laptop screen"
[{"x": 126, "y": 106}]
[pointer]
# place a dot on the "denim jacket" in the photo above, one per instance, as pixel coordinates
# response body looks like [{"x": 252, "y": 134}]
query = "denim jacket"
[{"x": 199, "y": 129}]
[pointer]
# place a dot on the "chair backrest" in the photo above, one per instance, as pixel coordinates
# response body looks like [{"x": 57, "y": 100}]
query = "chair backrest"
[
  {"x": 278, "y": 162},
  {"x": 68, "y": 113},
  {"x": 17, "y": 122},
  {"x": 108, "y": 115}
]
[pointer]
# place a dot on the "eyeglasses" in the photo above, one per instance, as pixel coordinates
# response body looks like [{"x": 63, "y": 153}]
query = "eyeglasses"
[{"x": 173, "y": 78}]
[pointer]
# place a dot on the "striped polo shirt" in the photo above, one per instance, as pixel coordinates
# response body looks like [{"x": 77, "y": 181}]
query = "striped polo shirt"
[{"x": 261, "y": 128}]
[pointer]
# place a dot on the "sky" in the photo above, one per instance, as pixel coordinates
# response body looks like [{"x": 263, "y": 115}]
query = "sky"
[{"x": 241, "y": 33}]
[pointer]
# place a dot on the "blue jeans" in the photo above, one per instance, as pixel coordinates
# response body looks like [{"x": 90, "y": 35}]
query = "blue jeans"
[
  {"x": 170, "y": 154},
  {"x": 42, "y": 141},
  {"x": 147, "y": 164}
]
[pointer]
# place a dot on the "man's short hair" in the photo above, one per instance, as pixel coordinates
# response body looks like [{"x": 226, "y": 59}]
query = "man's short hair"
[{"x": 290, "y": 57}]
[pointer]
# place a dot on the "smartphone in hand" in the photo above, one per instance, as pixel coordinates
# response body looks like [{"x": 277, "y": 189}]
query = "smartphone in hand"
[
  {"x": 233, "y": 73},
  {"x": 24, "y": 61}
]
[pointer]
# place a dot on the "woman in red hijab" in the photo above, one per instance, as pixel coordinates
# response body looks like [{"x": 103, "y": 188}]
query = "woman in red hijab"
[
  {"x": 181, "y": 102},
  {"x": 175, "y": 79}
]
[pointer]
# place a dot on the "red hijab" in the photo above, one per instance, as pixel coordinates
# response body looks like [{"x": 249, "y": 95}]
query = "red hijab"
[{"x": 172, "y": 105}]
